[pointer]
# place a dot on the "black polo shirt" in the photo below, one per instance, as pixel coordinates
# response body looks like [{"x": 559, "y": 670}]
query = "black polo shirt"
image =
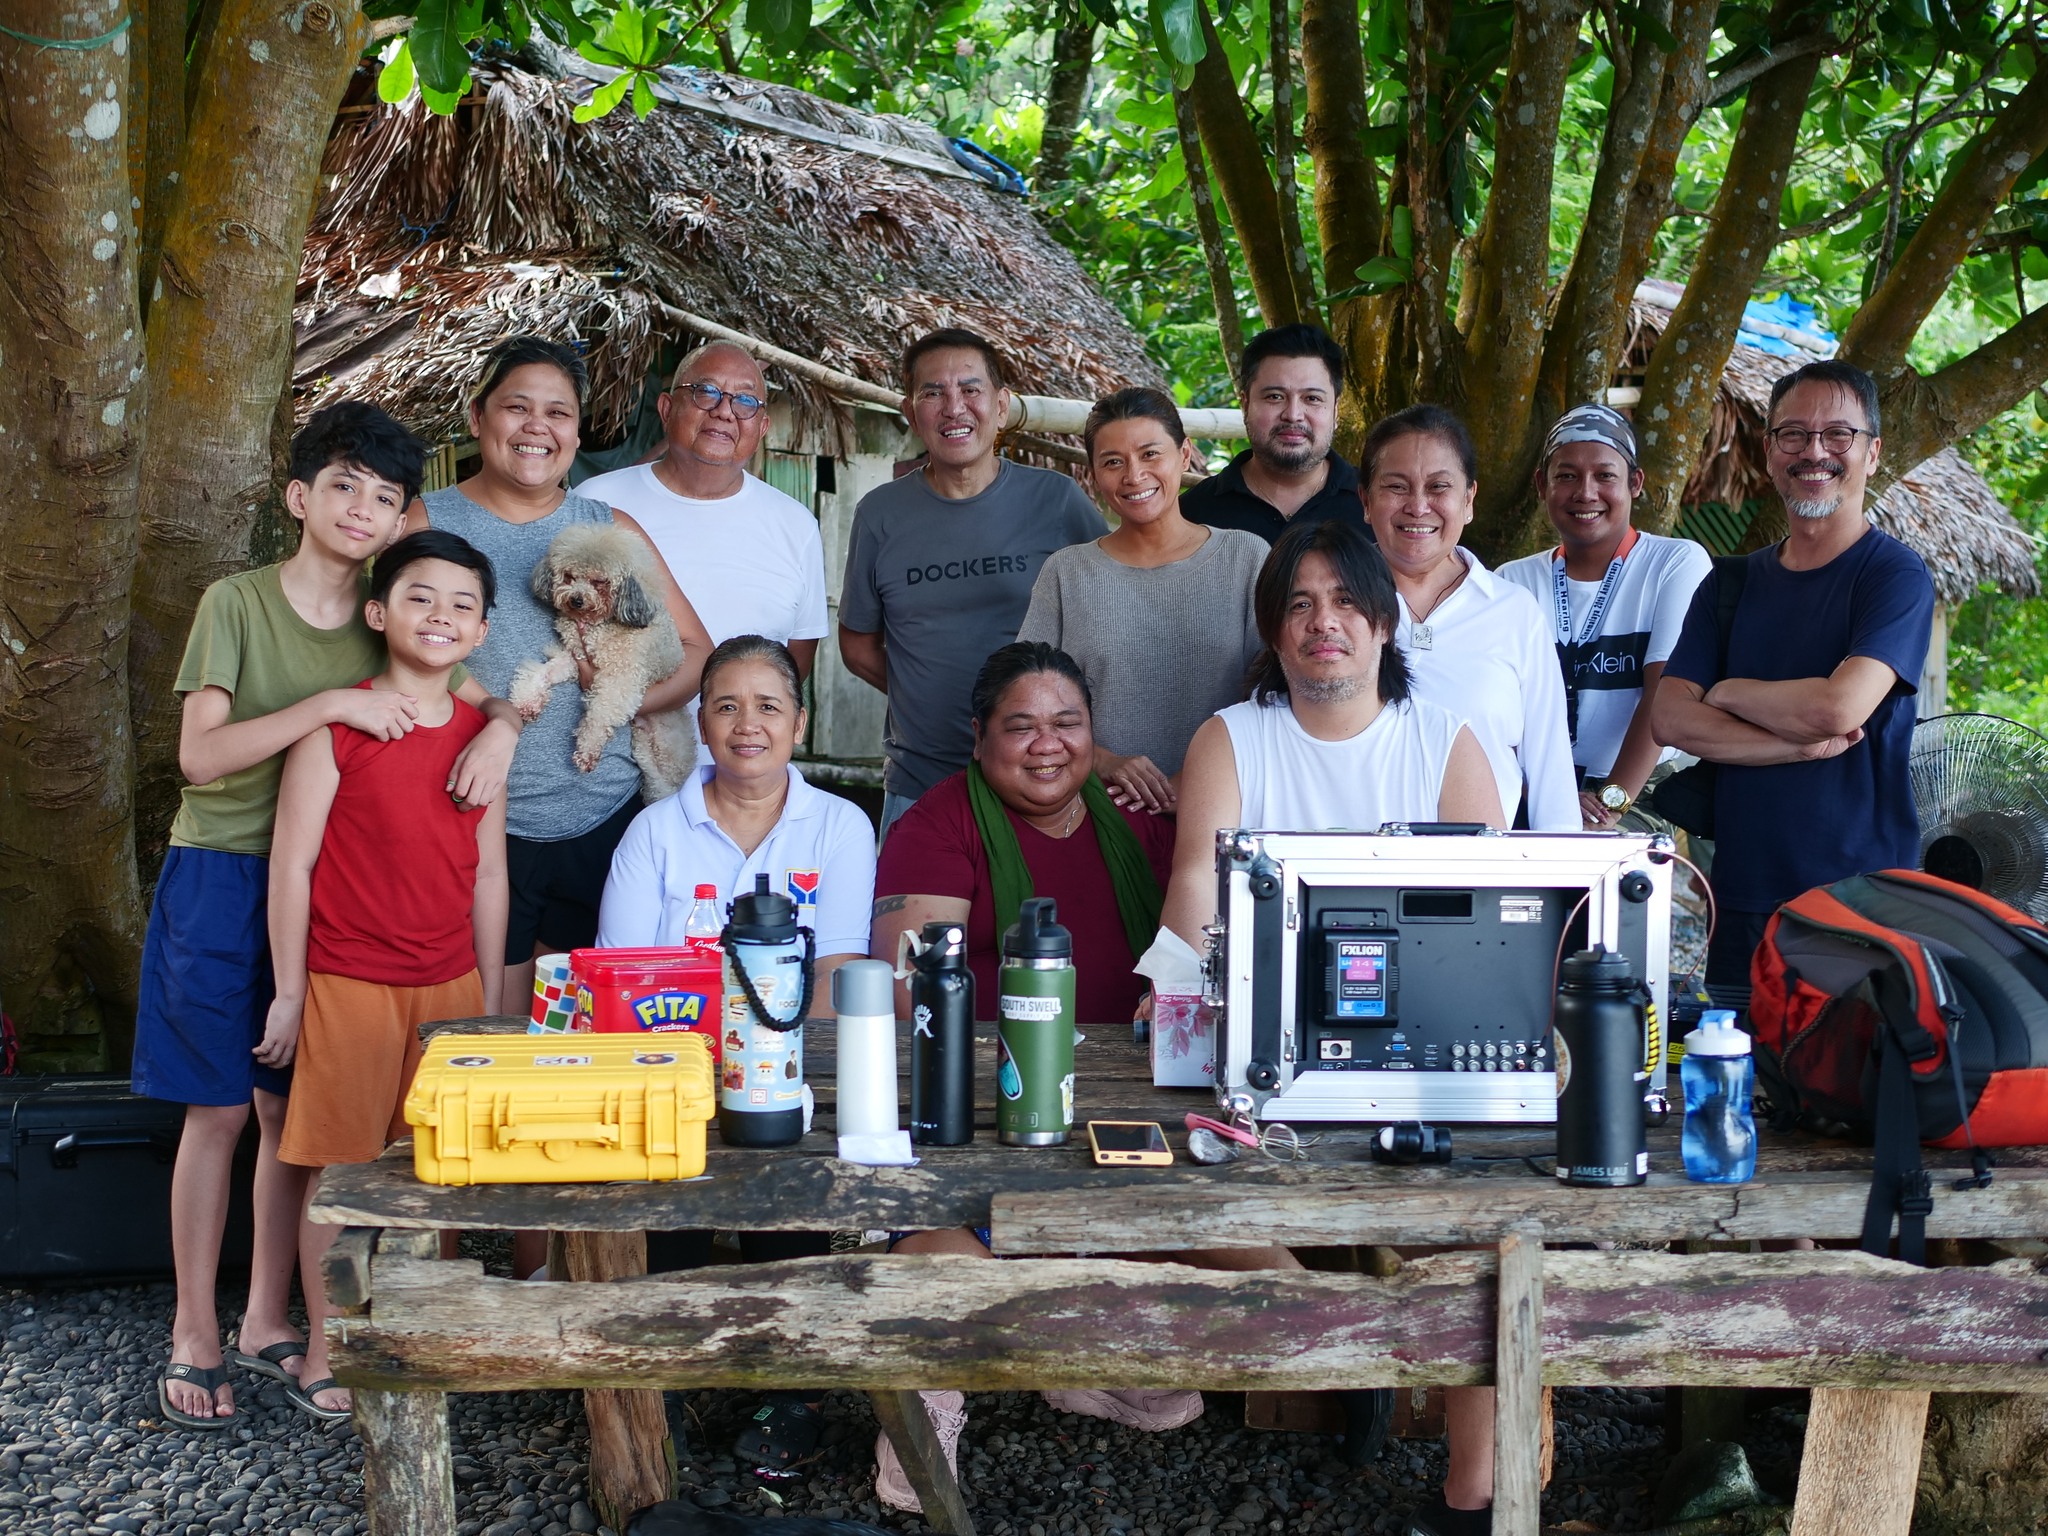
[{"x": 1225, "y": 501}]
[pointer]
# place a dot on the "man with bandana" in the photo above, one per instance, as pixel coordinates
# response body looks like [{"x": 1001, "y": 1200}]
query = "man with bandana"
[
  {"x": 1616, "y": 597},
  {"x": 1809, "y": 708}
]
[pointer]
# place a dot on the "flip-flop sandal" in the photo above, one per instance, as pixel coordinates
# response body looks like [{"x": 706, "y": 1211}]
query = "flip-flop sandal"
[
  {"x": 784, "y": 1430},
  {"x": 269, "y": 1360},
  {"x": 211, "y": 1378},
  {"x": 302, "y": 1394}
]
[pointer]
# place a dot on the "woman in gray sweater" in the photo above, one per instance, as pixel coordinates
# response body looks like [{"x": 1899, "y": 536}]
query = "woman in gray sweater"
[{"x": 1158, "y": 612}]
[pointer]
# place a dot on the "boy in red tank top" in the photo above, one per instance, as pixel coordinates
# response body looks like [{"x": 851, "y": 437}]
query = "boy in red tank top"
[{"x": 387, "y": 897}]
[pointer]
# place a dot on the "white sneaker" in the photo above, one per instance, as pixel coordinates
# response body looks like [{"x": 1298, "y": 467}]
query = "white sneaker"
[
  {"x": 892, "y": 1484},
  {"x": 1140, "y": 1407}
]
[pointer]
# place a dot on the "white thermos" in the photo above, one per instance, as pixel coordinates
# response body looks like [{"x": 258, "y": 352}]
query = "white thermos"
[{"x": 864, "y": 996}]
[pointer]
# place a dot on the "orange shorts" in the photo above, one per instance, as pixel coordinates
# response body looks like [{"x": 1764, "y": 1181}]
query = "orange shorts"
[{"x": 359, "y": 1045}]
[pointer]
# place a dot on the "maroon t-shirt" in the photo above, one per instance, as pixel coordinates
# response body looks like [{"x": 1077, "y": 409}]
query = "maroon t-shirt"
[{"x": 934, "y": 849}]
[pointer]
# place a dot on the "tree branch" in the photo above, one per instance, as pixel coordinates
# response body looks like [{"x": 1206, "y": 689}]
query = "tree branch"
[
  {"x": 1239, "y": 165},
  {"x": 1504, "y": 346},
  {"x": 1215, "y": 253},
  {"x": 1279, "y": 50},
  {"x": 1924, "y": 414},
  {"x": 1877, "y": 339},
  {"x": 1685, "y": 370},
  {"x": 1429, "y": 28},
  {"x": 1734, "y": 80}
]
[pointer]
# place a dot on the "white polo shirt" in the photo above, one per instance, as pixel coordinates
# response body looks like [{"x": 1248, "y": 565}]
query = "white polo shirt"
[
  {"x": 821, "y": 853},
  {"x": 1490, "y": 662},
  {"x": 1645, "y": 612},
  {"x": 751, "y": 563}
]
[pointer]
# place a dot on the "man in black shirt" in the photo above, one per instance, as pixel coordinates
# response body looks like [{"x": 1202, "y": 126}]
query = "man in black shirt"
[{"x": 1293, "y": 375}]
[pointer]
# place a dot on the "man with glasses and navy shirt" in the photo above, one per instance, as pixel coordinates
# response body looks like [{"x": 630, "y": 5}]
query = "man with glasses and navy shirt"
[
  {"x": 1810, "y": 710},
  {"x": 748, "y": 557}
]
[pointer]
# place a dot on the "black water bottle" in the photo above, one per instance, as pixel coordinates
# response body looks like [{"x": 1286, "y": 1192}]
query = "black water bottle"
[
  {"x": 1601, "y": 1076},
  {"x": 941, "y": 1038}
]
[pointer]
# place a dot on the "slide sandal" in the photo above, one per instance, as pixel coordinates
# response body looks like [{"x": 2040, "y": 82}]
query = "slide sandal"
[
  {"x": 301, "y": 1394},
  {"x": 783, "y": 1431},
  {"x": 210, "y": 1378},
  {"x": 269, "y": 1360}
]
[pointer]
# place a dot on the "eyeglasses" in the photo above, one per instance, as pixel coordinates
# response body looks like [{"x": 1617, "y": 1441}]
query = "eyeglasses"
[
  {"x": 707, "y": 396},
  {"x": 1834, "y": 439}
]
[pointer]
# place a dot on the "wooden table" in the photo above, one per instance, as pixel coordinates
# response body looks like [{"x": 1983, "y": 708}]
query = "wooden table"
[{"x": 1875, "y": 1336}]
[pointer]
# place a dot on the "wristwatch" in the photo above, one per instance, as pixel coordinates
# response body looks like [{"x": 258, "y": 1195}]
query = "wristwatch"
[{"x": 1615, "y": 798}]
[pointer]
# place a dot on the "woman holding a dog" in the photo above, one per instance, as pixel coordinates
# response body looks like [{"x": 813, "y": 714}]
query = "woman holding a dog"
[{"x": 562, "y": 823}]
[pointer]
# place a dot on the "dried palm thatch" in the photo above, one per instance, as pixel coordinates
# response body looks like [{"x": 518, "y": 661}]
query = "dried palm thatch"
[
  {"x": 1942, "y": 508},
  {"x": 439, "y": 236}
]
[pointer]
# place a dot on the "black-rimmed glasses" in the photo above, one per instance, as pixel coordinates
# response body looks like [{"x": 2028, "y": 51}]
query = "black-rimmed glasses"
[
  {"x": 1834, "y": 439},
  {"x": 707, "y": 396}
]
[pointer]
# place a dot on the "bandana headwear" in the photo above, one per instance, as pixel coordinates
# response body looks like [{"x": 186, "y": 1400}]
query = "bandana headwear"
[{"x": 1592, "y": 424}]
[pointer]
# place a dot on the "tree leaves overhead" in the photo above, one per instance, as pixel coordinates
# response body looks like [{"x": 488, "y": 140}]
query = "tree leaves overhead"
[
  {"x": 441, "y": 31},
  {"x": 784, "y": 23},
  {"x": 1177, "y": 34}
]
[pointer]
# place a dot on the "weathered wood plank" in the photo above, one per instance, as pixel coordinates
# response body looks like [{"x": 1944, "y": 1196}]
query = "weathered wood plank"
[
  {"x": 346, "y": 1269},
  {"x": 408, "y": 1479},
  {"x": 1861, "y": 1464},
  {"x": 908, "y": 1424},
  {"x": 881, "y": 1322},
  {"x": 1518, "y": 1386},
  {"x": 1418, "y": 1206}
]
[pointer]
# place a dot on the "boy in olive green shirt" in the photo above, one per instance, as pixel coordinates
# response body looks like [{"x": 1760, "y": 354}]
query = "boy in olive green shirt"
[{"x": 274, "y": 654}]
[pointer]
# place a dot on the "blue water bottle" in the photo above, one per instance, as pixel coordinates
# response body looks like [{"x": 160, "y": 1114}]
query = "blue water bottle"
[{"x": 1719, "y": 1074}]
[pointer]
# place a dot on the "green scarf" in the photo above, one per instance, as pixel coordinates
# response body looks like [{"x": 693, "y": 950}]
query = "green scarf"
[{"x": 1138, "y": 897}]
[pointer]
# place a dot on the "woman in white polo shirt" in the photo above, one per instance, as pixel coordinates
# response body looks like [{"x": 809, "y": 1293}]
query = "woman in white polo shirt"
[
  {"x": 749, "y": 813},
  {"x": 1476, "y": 645}
]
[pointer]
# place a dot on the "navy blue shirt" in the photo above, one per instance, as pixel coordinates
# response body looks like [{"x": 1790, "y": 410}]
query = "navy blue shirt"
[{"x": 1787, "y": 828}]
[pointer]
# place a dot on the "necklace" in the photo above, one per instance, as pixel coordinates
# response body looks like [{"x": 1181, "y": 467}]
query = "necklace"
[
  {"x": 1423, "y": 636},
  {"x": 1073, "y": 818}
]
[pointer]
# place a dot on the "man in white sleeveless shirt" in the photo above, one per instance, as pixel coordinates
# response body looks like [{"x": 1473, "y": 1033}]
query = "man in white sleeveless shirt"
[{"x": 1330, "y": 738}]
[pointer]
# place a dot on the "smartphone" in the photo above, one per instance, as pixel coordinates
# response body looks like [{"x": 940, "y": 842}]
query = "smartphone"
[{"x": 1121, "y": 1142}]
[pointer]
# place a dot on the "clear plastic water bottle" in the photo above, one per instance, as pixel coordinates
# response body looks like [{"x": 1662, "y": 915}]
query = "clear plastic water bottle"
[
  {"x": 701, "y": 930},
  {"x": 1719, "y": 1073}
]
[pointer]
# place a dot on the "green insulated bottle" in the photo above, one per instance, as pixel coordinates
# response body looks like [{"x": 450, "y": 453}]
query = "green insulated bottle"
[{"x": 1035, "y": 1030}]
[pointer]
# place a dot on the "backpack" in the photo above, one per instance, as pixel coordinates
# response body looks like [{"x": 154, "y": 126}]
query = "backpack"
[{"x": 1906, "y": 1009}]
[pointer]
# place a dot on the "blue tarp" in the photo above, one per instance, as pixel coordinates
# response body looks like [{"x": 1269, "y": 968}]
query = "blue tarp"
[{"x": 1788, "y": 312}]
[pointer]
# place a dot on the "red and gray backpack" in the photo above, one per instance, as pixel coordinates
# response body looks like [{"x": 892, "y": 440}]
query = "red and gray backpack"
[{"x": 1906, "y": 1009}]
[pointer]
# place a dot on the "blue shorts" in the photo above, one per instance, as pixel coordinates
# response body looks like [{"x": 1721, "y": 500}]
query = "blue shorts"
[{"x": 206, "y": 983}]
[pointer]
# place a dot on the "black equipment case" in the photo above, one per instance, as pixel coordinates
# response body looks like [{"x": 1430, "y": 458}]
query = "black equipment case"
[{"x": 85, "y": 1181}]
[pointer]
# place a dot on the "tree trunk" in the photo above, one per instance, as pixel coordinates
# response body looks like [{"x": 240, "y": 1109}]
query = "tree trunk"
[
  {"x": 156, "y": 126},
  {"x": 1287, "y": 190},
  {"x": 1510, "y": 310},
  {"x": 220, "y": 334},
  {"x": 70, "y": 912},
  {"x": 1066, "y": 95},
  {"x": 1347, "y": 192},
  {"x": 1215, "y": 250},
  {"x": 1984, "y": 1466},
  {"x": 1239, "y": 166},
  {"x": 1685, "y": 370}
]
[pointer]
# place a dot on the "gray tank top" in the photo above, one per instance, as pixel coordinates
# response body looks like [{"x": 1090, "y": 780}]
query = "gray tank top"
[{"x": 548, "y": 799}]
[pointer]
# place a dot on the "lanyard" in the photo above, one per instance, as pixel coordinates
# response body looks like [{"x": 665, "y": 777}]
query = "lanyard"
[
  {"x": 1567, "y": 647},
  {"x": 1600, "y": 599}
]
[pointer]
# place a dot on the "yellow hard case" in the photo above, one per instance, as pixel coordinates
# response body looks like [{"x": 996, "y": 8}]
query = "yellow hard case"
[{"x": 560, "y": 1109}]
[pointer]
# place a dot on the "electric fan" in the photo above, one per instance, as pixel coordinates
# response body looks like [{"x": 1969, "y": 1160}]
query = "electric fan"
[{"x": 1980, "y": 784}]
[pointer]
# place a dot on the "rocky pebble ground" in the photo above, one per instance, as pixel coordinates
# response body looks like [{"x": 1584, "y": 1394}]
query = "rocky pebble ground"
[{"x": 83, "y": 1449}]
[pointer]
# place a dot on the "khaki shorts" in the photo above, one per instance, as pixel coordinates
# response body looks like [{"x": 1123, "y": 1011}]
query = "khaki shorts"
[{"x": 359, "y": 1045}]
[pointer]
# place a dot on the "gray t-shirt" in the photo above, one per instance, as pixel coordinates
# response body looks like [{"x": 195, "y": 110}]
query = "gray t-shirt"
[
  {"x": 1162, "y": 648},
  {"x": 945, "y": 583},
  {"x": 546, "y": 799}
]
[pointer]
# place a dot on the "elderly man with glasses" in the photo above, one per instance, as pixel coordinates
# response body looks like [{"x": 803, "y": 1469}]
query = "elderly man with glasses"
[
  {"x": 1806, "y": 702},
  {"x": 748, "y": 557}
]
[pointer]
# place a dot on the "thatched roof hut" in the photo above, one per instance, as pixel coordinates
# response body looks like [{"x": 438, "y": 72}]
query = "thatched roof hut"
[
  {"x": 832, "y": 233},
  {"x": 1942, "y": 508}
]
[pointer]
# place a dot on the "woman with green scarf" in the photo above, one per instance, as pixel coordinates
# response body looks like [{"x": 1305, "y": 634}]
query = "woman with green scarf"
[{"x": 1029, "y": 818}]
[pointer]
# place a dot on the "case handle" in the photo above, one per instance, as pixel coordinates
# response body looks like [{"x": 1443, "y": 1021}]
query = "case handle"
[
  {"x": 553, "y": 1134},
  {"x": 163, "y": 1144}
]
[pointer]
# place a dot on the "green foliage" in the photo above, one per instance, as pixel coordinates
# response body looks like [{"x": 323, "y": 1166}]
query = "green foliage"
[{"x": 1998, "y": 645}]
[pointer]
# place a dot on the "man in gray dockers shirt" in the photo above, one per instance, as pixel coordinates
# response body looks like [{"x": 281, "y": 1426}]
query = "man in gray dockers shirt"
[{"x": 941, "y": 562}]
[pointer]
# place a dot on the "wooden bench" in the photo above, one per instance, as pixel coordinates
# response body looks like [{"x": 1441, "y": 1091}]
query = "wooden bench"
[{"x": 1871, "y": 1335}]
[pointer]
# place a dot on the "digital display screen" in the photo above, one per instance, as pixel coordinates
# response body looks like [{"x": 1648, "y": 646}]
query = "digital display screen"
[{"x": 1111, "y": 1136}]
